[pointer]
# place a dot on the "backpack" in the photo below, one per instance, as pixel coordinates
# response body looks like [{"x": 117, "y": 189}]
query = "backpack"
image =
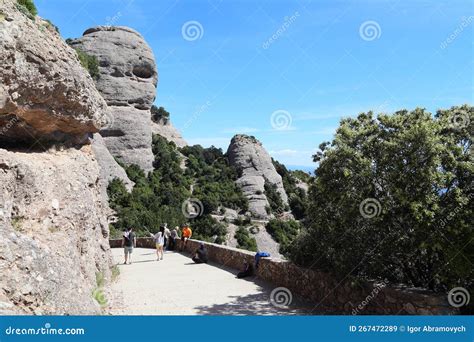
[{"x": 128, "y": 239}]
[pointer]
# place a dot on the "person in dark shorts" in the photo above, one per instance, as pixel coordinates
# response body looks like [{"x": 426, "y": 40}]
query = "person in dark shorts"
[
  {"x": 129, "y": 241},
  {"x": 200, "y": 256}
]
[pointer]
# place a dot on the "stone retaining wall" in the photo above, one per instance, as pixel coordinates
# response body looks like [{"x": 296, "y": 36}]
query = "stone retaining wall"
[{"x": 327, "y": 293}]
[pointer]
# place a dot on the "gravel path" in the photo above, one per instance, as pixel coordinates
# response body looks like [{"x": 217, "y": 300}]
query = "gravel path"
[{"x": 177, "y": 286}]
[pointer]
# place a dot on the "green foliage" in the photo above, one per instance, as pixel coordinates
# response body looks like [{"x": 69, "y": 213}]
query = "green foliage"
[
  {"x": 50, "y": 24},
  {"x": 418, "y": 169},
  {"x": 90, "y": 63},
  {"x": 297, "y": 197},
  {"x": 283, "y": 232},
  {"x": 158, "y": 198},
  {"x": 274, "y": 199},
  {"x": 302, "y": 176},
  {"x": 214, "y": 179},
  {"x": 207, "y": 228},
  {"x": 115, "y": 272},
  {"x": 244, "y": 240},
  {"x": 27, "y": 7},
  {"x": 159, "y": 114},
  {"x": 98, "y": 293}
]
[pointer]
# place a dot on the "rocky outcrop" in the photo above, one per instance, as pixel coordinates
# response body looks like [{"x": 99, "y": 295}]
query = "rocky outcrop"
[
  {"x": 255, "y": 167},
  {"x": 127, "y": 81},
  {"x": 166, "y": 129},
  {"x": 109, "y": 168},
  {"x": 53, "y": 231},
  {"x": 53, "y": 216},
  {"x": 45, "y": 95}
]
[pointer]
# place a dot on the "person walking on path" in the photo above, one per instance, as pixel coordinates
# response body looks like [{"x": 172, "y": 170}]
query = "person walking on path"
[
  {"x": 159, "y": 242},
  {"x": 186, "y": 234},
  {"x": 172, "y": 240},
  {"x": 200, "y": 256},
  {"x": 129, "y": 241}
]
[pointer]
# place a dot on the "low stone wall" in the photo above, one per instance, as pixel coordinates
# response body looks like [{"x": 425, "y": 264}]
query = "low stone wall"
[{"x": 328, "y": 294}]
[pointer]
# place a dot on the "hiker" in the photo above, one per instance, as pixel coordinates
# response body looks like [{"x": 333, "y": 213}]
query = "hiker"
[
  {"x": 167, "y": 236},
  {"x": 200, "y": 256},
  {"x": 172, "y": 239},
  {"x": 247, "y": 270},
  {"x": 185, "y": 235},
  {"x": 159, "y": 242},
  {"x": 128, "y": 242}
]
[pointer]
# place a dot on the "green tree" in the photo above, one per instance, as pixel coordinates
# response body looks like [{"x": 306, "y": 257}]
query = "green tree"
[
  {"x": 393, "y": 198},
  {"x": 89, "y": 62},
  {"x": 283, "y": 232},
  {"x": 29, "y": 5}
]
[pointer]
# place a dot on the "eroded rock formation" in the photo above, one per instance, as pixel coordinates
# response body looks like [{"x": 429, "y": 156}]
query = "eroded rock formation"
[
  {"x": 166, "y": 129},
  {"x": 53, "y": 216},
  {"x": 255, "y": 167},
  {"x": 45, "y": 95},
  {"x": 127, "y": 81}
]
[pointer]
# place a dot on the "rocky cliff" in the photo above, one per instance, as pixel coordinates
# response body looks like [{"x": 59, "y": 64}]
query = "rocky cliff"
[
  {"x": 53, "y": 217},
  {"x": 255, "y": 167},
  {"x": 44, "y": 93},
  {"x": 166, "y": 129},
  {"x": 127, "y": 82}
]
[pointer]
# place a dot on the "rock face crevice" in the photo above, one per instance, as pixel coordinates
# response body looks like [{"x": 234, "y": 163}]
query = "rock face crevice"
[
  {"x": 255, "y": 167},
  {"x": 127, "y": 82}
]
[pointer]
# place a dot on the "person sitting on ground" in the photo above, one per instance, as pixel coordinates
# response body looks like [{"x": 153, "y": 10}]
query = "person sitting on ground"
[
  {"x": 200, "y": 256},
  {"x": 247, "y": 270},
  {"x": 159, "y": 242},
  {"x": 173, "y": 237},
  {"x": 128, "y": 242},
  {"x": 185, "y": 236}
]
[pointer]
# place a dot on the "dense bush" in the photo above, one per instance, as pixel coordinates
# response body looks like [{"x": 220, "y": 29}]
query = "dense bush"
[
  {"x": 90, "y": 63},
  {"x": 159, "y": 114},
  {"x": 29, "y": 6},
  {"x": 277, "y": 206},
  {"x": 393, "y": 198},
  {"x": 244, "y": 240},
  {"x": 159, "y": 197},
  {"x": 297, "y": 198},
  {"x": 214, "y": 179},
  {"x": 283, "y": 232}
]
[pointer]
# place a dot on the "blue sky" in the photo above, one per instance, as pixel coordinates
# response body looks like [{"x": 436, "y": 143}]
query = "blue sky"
[{"x": 327, "y": 59}]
